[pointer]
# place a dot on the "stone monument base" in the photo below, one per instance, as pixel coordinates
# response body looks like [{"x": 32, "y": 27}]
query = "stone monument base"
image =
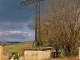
[{"x": 40, "y": 53}]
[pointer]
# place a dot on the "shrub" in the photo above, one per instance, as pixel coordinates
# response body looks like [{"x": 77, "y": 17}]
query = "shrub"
[{"x": 15, "y": 55}]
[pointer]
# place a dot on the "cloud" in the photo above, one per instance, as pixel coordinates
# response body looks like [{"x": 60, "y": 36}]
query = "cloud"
[
  {"x": 12, "y": 25},
  {"x": 16, "y": 25},
  {"x": 16, "y": 36},
  {"x": 14, "y": 19}
]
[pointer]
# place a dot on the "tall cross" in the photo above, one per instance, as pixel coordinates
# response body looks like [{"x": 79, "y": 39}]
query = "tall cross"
[{"x": 37, "y": 41}]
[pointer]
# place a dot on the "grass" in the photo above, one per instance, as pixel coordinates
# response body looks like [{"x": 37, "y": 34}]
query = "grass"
[{"x": 16, "y": 47}]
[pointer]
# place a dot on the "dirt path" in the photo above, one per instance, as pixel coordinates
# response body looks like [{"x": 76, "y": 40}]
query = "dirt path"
[
  {"x": 66, "y": 58},
  {"x": 5, "y": 58}
]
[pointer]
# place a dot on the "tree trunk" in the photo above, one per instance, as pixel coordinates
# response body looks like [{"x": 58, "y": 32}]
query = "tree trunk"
[{"x": 56, "y": 52}]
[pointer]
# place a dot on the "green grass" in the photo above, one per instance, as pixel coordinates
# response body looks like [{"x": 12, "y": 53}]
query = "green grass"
[
  {"x": 17, "y": 47},
  {"x": 20, "y": 46}
]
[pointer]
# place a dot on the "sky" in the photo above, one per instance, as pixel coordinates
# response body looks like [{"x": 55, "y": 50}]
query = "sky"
[{"x": 15, "y": 21}]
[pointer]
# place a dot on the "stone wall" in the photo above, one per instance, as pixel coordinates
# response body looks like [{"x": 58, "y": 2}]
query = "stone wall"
[
  {"x": 79, "y": 52},
  {"x": 1, "y": 52},
  {"x": 37, "y": 54}
]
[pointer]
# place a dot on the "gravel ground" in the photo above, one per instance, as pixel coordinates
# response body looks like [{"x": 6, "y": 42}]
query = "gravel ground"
[
  {"x": 5, "y": 58},
  {"x": 65, "y": 58}
]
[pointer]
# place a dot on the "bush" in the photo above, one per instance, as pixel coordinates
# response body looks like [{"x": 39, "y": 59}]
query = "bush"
[
  {"x": 10, "y": 57},
  {"x": 15, "y": 55}
]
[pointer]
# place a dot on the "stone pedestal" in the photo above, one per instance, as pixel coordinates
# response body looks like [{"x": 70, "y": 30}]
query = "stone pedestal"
[
  {"x": 37, "y": 53},
  {"x": 1, "y": 51}
]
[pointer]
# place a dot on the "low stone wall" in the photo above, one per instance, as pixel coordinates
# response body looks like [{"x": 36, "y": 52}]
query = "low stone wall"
[
  {"x": 37, "y": 54},
  {"x": 1, "y": 52},
  {"x": 79, "y": 52}
]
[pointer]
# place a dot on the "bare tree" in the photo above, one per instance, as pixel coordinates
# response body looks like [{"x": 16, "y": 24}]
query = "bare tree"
[{"x": 62, "y": 19}]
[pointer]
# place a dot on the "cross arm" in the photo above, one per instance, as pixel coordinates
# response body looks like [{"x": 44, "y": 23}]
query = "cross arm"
[{"x": 26, "y": 2}]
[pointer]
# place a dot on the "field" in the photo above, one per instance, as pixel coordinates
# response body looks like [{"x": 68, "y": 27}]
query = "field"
[
  {"x": 16, "y": 47},
  {"x": 20, "y": 46}
]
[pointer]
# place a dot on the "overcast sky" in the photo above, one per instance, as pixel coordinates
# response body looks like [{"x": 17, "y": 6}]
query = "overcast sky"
[{"x": 15, "y": 21}]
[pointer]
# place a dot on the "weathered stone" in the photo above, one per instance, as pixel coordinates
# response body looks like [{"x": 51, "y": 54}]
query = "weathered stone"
[
  {"x": 1, "y": 52},
  {"x": 79, "y": 52},
  {"x": 37, "y": 53}
]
